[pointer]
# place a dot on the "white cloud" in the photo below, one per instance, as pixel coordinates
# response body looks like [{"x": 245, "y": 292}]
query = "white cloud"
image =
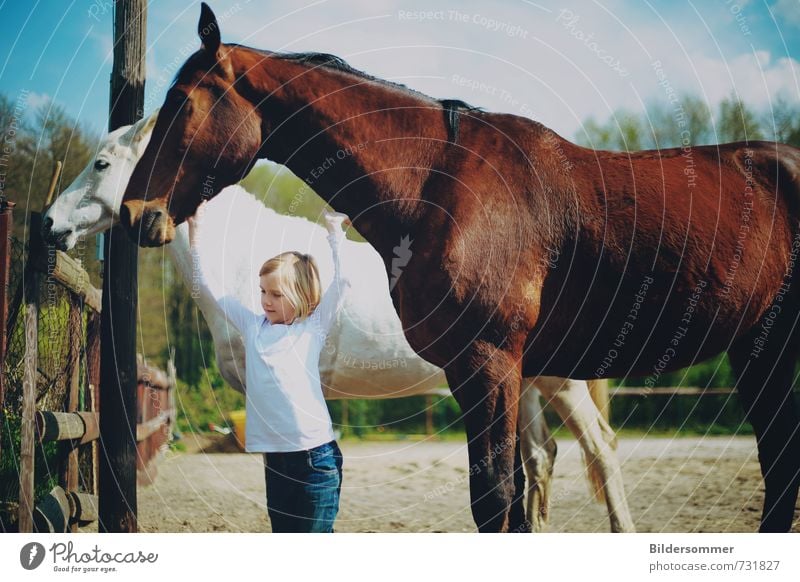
[
  {"x": 36, "y": 100},
  {"x": 787, "y": 11}
]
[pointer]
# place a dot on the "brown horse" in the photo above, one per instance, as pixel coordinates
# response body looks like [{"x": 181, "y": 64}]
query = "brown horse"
[{"x": 530, "y": 255}]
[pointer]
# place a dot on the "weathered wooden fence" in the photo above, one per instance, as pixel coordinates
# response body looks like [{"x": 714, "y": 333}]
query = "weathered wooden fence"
[
  {"x": 56, "y": 403},
  {"x": 155, "y": 418},
  {"x": 50, "y": 396}
]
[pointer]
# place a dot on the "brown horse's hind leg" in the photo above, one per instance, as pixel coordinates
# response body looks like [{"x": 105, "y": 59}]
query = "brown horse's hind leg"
[
  {"x": 486, "y": 382},
  {"x": 764, "y": 362}
]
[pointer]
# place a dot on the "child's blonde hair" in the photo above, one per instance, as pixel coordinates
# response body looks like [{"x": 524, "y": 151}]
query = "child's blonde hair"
[{"x": 299, "y": 280}]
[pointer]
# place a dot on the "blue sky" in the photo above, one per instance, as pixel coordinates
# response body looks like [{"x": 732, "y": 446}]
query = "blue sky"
[{"x": 558, "y": 62}]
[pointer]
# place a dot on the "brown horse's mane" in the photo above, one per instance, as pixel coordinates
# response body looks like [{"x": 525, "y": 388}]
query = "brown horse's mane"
[
  {"x": 329, "y": 61},
  {"x": 452, "y": 107}
]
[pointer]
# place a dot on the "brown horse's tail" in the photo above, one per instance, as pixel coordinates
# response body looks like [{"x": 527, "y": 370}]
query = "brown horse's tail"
[{"x": 598, "y": 389}]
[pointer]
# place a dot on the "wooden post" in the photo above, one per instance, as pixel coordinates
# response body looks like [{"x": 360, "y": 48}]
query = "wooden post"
[
  {"x": 118, "y": 379},
  {"x": 52, "y": 191},
  {"x": 68, "y": 477},
  {"x": 31, "y": 361},
  {"x": 6, "y": 206},
  {"x": 93, "y": 381},
  {"x": 27, "y": 432}
]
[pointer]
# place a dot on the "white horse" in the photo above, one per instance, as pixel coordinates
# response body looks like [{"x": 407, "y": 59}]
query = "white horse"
[{"x": 240, "y": 233}]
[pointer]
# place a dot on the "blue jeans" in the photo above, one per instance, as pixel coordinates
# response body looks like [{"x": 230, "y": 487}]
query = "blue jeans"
[{"x": 303, "y": 489}]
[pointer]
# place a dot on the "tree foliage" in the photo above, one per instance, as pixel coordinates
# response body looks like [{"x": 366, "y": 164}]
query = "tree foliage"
[{"x": 691, "y": 121}]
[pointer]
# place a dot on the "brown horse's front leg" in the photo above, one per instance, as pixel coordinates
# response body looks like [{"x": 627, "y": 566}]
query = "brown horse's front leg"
[{"x": 486, "y": 383}]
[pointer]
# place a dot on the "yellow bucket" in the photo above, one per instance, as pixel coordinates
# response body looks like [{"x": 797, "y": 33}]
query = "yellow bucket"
[{"x": 237, "y": 418}]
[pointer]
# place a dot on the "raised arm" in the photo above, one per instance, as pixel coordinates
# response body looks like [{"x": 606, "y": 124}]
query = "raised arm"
[
  {"x": 333, "y": 299},
  {"x": 237, "y": 314}
]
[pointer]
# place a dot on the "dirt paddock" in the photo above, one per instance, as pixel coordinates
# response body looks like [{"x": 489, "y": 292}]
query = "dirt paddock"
[{"x": 708, "y": 484}]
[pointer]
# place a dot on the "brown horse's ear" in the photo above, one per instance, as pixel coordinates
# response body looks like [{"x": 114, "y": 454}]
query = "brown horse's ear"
[{"x": 208, "y": 29}]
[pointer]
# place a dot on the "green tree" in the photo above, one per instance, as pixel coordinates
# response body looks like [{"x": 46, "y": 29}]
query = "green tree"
[
  {"x": 631, "y": 132},
  {"x": 782, "y": 122},
  {"x": 737, "y": 122},
  {"x": 601, "y": 136},
  {"x": 624, "y": 131},
  {"x": 690, "y": 122},
  {"x": 686, "y": 123},
  {"x": 188, "y": 335},
  {"x": 51, "y": 136}
]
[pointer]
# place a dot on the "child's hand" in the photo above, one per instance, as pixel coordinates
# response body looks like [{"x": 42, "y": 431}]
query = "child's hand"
[
  {"x": 335, "y": 220},
  {"x": 195, "y": 223}
]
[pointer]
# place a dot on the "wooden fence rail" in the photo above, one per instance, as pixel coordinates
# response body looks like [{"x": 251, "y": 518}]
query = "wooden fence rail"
[
  {"x": 667, "y": 391},
  {"x": 155, "y": 418}
]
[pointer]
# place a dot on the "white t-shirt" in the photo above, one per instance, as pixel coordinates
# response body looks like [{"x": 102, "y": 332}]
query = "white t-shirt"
[{"x": 286, "y": 410}]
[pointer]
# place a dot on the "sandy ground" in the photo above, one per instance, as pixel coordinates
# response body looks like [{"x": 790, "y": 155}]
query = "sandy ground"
[{"x": 709, "y": 484}]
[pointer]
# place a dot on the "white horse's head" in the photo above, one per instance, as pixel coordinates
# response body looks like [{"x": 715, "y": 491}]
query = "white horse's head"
[{"x": 91, "y": 203}]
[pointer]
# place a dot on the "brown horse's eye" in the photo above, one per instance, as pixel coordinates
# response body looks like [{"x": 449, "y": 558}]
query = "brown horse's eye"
[{"x": 177, "y": 99}]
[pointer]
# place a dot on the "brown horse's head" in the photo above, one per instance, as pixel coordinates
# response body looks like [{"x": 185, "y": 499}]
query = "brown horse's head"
[{"x": 206, "y": 138}]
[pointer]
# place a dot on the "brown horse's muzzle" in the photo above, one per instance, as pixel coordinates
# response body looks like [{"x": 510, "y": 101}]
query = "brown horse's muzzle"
[{"x": 148, "y": 223}]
